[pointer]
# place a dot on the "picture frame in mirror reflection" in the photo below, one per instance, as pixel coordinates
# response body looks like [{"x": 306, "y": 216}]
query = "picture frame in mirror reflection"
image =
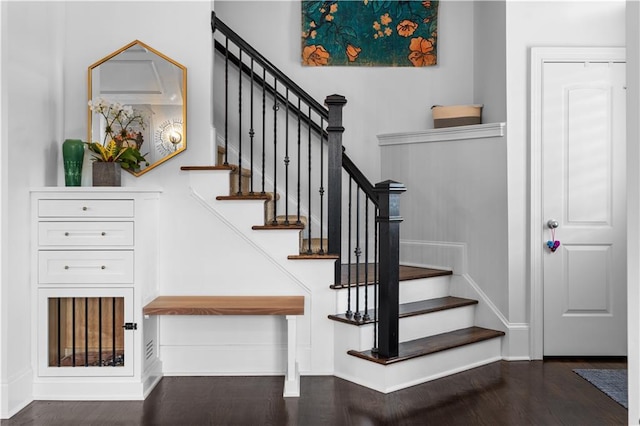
[{"x": 150, "y": 89}]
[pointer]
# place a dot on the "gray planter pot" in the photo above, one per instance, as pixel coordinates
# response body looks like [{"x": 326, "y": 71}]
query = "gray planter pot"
[{"x": 106, "y": 174}]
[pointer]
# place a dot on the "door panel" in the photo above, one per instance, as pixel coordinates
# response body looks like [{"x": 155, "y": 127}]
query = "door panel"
[{"x": 583, "y": 188}]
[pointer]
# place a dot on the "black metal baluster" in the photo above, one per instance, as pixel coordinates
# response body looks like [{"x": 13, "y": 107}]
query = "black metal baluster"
[
  {"x": 309, "y": 250},
  {"x": 321, "y": 190},
  {"x": 286, "y": 161},
  {"x": 374, "y": 349},
  {"x": 276, "y": 107},
  {"x": 100, "y": 332},
  {"x": 349, "y": 312},
  {"x": 356, "y": 252},
  {"x": 86, "y": 331},
  {"x": 298, "y": 199},
  {"x": 366, "y": 316},
  {"x": 73, "y": 333},
  {"x": 226, "y": 101},
  {"x": 251, "y": 131},
  {"x": 239, "y": 192},
  {"x": 264, "y": 128}
]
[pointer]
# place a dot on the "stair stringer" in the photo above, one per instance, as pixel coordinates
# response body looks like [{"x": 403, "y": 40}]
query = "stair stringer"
[{"x": 315, "y": 355}]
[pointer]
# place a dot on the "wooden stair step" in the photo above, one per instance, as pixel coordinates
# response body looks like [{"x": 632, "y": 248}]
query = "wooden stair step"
[
  {"x": 267, "y": 196},
  {"x": 313, "y": 256},
  {"x": 432, "y": 344},
  {"x": 406, "y": 273},
  {"x": 413, "y": 308},
  {"x": 272, "y": 227},
  {"x": 204, "y": 168}
]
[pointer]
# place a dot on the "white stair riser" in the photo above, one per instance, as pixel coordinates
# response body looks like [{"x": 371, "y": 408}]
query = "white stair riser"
[
  {"x": 410, "y": 291},
  {"x": 409, "y": 328},
  {"x": 404, "y": 374}
]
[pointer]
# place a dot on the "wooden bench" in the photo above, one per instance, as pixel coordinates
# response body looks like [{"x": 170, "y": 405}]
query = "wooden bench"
[{"x": 289, "y": 306}]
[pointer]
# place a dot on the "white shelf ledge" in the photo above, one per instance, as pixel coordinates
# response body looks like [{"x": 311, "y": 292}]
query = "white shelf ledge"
[{"x": 475, "y": 131}]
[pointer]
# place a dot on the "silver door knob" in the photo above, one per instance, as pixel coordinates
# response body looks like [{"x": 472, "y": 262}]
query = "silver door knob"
[{"x": 552, "y": 224}]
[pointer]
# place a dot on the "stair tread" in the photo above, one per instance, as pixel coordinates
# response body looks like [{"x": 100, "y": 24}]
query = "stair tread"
[
  {"x": 270, "y": 227},
  {"x": 406, "y": 273},
  {"x": 413, "y": 308},
  {"x": 255, "y": 196},
  {"x": 313, "y": 256},
  {"x": 431, "y": 344},
  {"x": 195, "y": 168}
]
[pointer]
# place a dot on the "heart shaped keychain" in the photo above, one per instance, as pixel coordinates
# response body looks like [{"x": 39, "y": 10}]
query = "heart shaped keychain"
[{"x": 553, "y": 244}]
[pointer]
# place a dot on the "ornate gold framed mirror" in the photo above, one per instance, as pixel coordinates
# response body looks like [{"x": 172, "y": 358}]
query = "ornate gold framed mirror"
[{"x": 149, "y": 90}]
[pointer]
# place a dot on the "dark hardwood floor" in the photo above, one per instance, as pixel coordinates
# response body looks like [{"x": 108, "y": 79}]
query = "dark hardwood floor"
[{"x": 503, "y": 393}]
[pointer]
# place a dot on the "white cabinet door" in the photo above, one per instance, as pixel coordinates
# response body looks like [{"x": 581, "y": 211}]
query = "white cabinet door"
[{"x": 81, "y": 332}]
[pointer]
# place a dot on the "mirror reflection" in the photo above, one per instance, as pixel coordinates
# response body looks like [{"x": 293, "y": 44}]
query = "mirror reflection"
[{"x": 137, "y": 97}]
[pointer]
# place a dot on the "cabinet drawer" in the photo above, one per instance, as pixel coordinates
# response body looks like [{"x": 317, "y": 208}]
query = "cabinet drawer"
[
  {"x": 85, "y": 267},
  {"x": 85, "y": 208},
  {"x": 85, "y": 233}
]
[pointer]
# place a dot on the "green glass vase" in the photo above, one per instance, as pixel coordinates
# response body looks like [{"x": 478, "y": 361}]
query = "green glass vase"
[{"x": 72, "y": 157}]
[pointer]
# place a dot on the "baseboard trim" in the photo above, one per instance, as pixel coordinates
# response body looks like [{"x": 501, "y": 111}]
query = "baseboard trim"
[{"x": 17, "y": 393}]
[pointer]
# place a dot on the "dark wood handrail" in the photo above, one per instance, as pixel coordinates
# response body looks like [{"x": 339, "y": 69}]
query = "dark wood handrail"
[
  {"x": 259, "y": 80},
  {"x": 218, "y": 25}
]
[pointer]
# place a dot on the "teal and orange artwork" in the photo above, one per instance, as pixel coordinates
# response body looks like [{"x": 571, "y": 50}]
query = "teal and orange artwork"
[{"x": 369, "y": 33}]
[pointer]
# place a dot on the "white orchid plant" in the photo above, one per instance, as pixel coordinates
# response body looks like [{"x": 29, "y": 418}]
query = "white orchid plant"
[{"x": 121, "y": 143}]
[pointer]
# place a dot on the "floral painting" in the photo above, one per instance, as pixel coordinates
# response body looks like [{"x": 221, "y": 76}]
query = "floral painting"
[{"x": 369, "y": 33}]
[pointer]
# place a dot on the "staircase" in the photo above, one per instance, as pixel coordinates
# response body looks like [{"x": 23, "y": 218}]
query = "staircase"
[{"x": 393, "y": 326}]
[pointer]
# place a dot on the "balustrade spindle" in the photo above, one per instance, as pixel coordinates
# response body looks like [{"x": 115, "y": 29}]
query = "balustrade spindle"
[
  {"x": 349, "y": 312},
  {"x": 299, "y": 161},
  {"x": 226, "y": 102},
  {"x": 251, "y": 130},
  {"x": 309, "y": 206},
  {"x": 239, "y": 192},
  {"x": 286, "y": 160},
  {"x": 264, "y": 126},
  {"x": 276, "y": 107},
  {"x": 358, "y": 315},
  {"x": 321, "y": 191},
  {"x": 366, "y": 316}
]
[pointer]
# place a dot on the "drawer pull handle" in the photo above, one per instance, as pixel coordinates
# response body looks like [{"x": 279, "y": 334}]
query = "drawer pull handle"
[
  {"x": 85, "y": 208},
  {"x": 85, "y": 267},
  {"x": 103, "y": 233},
  {"x": 66, "y": 234}
]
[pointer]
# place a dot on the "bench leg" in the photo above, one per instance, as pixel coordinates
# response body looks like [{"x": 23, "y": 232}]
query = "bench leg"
[{"x": 292, "y": 378}]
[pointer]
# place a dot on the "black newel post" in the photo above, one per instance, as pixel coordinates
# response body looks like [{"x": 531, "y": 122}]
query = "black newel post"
[
  {"x": 335, "y": 103},
  {"x": 389, "y": 260}
]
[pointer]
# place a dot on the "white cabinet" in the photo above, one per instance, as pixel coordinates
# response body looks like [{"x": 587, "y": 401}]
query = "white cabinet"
[{"x": 94, "y": 266}]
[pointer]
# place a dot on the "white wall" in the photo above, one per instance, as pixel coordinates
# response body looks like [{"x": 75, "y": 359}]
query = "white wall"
[
  {"x": 380, "y": 100},
  {"x": 31, "y": 94},
  {"x": 540, "y": 24},
  {"x": 633, "y": 208},
  {"x": 490, "y": 59}
]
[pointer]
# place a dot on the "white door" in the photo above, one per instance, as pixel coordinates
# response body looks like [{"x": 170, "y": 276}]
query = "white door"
[{"x": 583, "y": 190}]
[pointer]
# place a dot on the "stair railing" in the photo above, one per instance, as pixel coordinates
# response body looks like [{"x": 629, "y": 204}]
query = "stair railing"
[{"x": 368, "y": 244}]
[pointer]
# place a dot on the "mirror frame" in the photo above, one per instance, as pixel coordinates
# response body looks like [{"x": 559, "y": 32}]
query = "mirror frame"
[{"x": 184, "y": 101}]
